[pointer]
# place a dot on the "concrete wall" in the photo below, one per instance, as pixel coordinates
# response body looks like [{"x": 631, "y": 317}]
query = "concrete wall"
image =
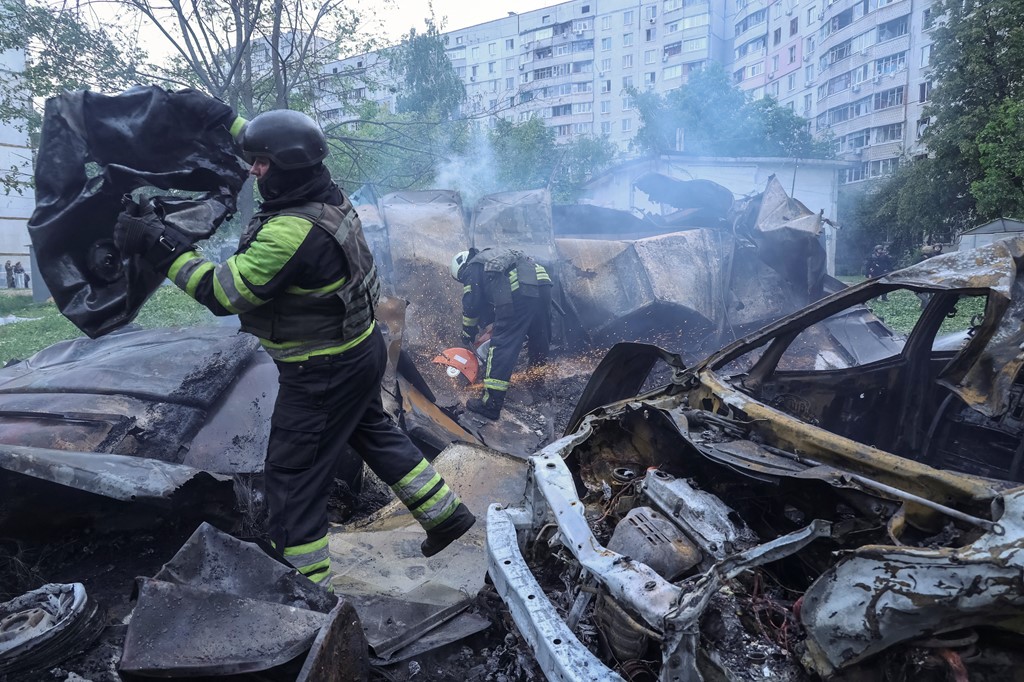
[{"x": 15, "y": 207}]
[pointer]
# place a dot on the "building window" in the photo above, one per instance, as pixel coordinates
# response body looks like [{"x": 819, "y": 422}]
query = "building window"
[
  {"x": 474, "y": 52},
  {"x": 606, "y": 127},
  {"x": 889, "y": 133},
  {"x": 628, "y": 104},
  {"x": 627, "y": 125},
  {"x": 673, "y": 49},
  {"x": 606, "y": 44},
  {"x": 792, "y": 54},
  {"x": 672, "y": 28},
  {"x": 695, "y": 44},
  {"x": 926, "y": 55},
  {"x": 773, "y": 88},
  {"x": 922, "y": 125},
  {"x": 670, "y": 72},
  {"x": 776, "y": 36},
  {"x": 585, "y": 9},
  {"x": 627, "y": 39},
  {"x": 606, "y": 86},
  {"x": 671, "y": 5},
  {"x": 650, "y": 34},
  {"x": 510, "y": 83},
  {"x": 649, "y": 78},
  {"x": 794, "y": 24},
  {"x": 606, "y": 107},
  {"x": 809, "y": 73},
  {"x": 510, "y": 44},
  {"x": 546, "y": 19},
  {"x": 651, "y": 12},
  {"x": 650, "y": 56},
  {"x": 490, "y": 67},
  {"x": 492, "y": 49},
  {"x": 807, "y": 105},
  {"x": 627, "y": 18},
  {"x": 606, "y": 64},
  {"x": 564, "y": 130},
  {"x": 811, "y": 13},
  {"x": 924, "y": 91},
  {"x": 775, "y": 63},
  {"x": 627, "y": 82},
  {"x": 791, "y": 82},
  {"x": 927, "y": 18},
  {"x": 458, "y": 40},
  {"x": 606, "y": 23},
  {"x": 883, "y": 167},
  {"x": 583, "y": 128},
  {"x": 891, "y": 63},
  {"x": 627, "y": 61}
]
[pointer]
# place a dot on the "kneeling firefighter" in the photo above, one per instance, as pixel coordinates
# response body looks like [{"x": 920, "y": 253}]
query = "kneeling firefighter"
[
  {"x": 303, "y": 281},
  {"x": 510, "y": 290}
]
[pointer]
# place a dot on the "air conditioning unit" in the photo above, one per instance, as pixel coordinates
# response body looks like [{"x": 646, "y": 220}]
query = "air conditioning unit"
[
  {"x": 652, "y": 20},
  {"x": 855, "y": 88},
  {"x": 876, "y": 79},
  {"x": 664, "y": 57},
  {"x": 807, "y": 57},
  {"x": 771, "y": 76},
  {"x": 809, "y": 84},
  {"x": 821, "y": 15},
  {"x": 472, "y": 79},
  {"x": 522, "y": 66},
  {"x": 789, "y": 12},
  {"x": 579, "y": 33}
]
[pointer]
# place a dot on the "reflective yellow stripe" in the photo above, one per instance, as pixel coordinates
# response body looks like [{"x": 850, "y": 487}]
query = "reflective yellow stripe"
[
  {"x": 416, "y": 471},
  {"x": 297, "y": 351},
  {"x": 437, "y": 509},
  {"x": 469, "y": 321},
  {"x": 306, "y": 548},
  {"x": 196, "y": 277},
  {"x": 466, "y": 289},
  {"x": 179, "y": 263},
  {"x": 424, "y": 489},
  {"x": 326, "y": 289},
  {"x": 496, "y": 384},
  {"x": 236, "y": 126}
]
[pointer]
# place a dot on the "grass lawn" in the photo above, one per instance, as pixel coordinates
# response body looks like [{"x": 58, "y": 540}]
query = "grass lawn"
[{"x": 168, "y": 307}]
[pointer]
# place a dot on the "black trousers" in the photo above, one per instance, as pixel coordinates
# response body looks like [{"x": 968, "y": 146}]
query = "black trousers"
[
  {"x": 529, "y": 319},
  {"x": 323, "y": 404}
]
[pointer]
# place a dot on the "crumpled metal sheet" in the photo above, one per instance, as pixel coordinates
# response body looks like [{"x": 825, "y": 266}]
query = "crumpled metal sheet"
[
  {"x": 425, "y": 230},
  {"x": 876, "y": 597},
  {"x": 96, "y": 148},
  {"x": 403, "y": 597},
  {"x": 118, "y": 477},
  {"x": 983, "y": 373},
  {"x": 520, "y": 220},
  {"x": 222, "y": 606},
  {"x": 713, "y": 200},
  {"x": 150, "y": 393}
]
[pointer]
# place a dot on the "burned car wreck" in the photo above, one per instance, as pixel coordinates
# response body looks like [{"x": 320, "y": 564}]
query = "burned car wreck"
[{"x": 786, "y": 508}]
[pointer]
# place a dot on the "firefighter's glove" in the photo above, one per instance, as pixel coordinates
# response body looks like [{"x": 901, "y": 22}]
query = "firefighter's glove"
[
  {"x": 141, "y": 232},
  {"x": 208, "y": 112}
]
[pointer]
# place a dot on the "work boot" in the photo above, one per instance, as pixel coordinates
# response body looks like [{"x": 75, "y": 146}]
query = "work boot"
[
  {"x": 450, "y": 530},
  {"x": 489, "y": 408}
]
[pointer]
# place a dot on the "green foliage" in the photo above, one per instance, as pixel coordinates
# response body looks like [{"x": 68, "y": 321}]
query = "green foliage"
[
  {"x": 1000, "y": 191},
  {"x": 168, "y": 307},
  {"x": 430, "y": 84},
  {"x": 974, "y": 171},
  {"x": 717, "y": 119},
  {"x": 526, "y": 156}
]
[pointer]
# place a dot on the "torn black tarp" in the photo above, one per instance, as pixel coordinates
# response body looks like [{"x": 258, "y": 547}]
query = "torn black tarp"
[{"x": 96, "y": 148}]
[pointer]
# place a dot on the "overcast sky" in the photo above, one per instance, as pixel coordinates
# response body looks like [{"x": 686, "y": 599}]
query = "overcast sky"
[{"x": 404, "y": 14}]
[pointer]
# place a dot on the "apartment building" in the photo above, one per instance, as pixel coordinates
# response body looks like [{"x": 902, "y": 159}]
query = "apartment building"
[
  {"x": 856, "y": 69},
  {"x": 16, "y": 160}
]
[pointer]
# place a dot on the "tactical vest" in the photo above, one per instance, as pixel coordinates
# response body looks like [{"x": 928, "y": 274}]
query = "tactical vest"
[
  {"x": 499, "y": 267},
  {"x": 339, "y": 316}
]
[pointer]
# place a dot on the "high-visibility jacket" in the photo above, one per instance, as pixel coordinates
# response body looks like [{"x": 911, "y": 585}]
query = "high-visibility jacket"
[
  {"x": 489, "y": 280},
  {"x": 303, "y": 281}
]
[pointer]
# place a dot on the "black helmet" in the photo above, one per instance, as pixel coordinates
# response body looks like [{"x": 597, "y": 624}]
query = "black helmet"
[{"x": 290, "y": 139}]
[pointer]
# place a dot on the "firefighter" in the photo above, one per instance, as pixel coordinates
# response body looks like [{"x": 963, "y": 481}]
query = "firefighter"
[
  {"x": 510, "y": 290},
  {"x": 877, "y": 264},
  {"x": 303, "y": 281}
]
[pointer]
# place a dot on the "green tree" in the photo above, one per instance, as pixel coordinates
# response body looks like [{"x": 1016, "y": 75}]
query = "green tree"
[
  {"x": 973, "y": 171},
  {"x": 61, "y": 52},
  {"x": 429, "y": 84},
  {"x": 714, "y": 118}
]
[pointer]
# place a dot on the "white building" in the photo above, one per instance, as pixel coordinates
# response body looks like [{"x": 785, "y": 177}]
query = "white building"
[
  {"x": 856, "y": 69},
  {"x": 16, "y": 205}
]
